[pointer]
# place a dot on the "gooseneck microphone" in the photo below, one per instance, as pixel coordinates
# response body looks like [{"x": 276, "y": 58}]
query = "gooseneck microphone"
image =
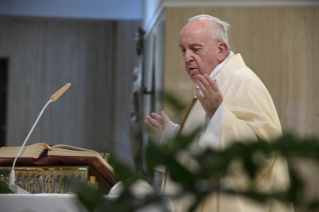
[{"x": 53, "y": 98}]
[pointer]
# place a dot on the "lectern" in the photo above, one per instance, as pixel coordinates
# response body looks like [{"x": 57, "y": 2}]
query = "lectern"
[{"x": 46, "y": 173}]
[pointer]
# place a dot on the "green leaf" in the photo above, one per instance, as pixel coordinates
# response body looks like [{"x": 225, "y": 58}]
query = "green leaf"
[
  {"x": 4, "y": 188},
  {"x": 177, "y": 172},
  {"x": 181, "y": 142},
  {"x": 124, "y": 173},
  {"x": 4, "y": 172},
  {"x": 90, "y": 198}
]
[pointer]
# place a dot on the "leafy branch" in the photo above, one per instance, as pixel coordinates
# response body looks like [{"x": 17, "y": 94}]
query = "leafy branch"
[{"x": 214, "y": 165}]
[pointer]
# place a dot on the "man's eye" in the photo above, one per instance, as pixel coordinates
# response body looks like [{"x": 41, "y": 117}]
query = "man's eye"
[{"x": 196, "y": 50}]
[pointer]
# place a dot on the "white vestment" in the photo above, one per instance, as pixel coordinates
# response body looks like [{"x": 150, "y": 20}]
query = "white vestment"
[{"x": 247, "y": 113}]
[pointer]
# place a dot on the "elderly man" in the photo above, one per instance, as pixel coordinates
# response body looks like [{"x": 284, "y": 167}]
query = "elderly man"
[{"x": 231, "y": 103}]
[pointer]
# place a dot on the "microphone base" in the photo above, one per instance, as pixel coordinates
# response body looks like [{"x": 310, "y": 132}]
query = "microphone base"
[{"x": 17, "y": 190}]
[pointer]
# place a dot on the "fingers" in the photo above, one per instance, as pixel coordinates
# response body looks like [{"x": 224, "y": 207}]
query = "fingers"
[
  {"x": 205, "y": 85},
  {"x": 205, "y": 80},
  {"x": 202, "y": 88},
  {"x": 157, "y": 117},
  {"x": 151, "y": 130},
  {"x": 165, "y": 118},
  {"x": 148, "y": 125},
  {"x": 199, "y": 96},
  {"x": 153, "y": 122},
  {"x": 212, "y": 83},
  {"x": 209, "y": 83},
  {"x": 156, "y": 121}
]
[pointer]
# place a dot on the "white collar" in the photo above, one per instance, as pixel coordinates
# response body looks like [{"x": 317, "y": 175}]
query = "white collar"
[{"x": 219, "y": 66}]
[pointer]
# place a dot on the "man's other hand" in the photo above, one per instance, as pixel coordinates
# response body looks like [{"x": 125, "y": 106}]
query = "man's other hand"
[
  {"x": 155, "y": 124},
  {"x": 212, "y": 96}
]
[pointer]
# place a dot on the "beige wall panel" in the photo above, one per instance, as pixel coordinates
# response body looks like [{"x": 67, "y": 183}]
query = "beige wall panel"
[{"x": 280, "y": 44}]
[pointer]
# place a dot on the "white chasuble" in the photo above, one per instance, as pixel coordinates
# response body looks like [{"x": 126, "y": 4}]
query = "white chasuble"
[{"x": 247, "y": 113}]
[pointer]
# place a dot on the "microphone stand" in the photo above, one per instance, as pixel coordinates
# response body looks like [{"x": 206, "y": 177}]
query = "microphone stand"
[{"x": 16, "y": 189}]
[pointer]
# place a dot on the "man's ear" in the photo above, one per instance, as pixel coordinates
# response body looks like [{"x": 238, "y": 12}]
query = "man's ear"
[{"x": 222, "y": 51}]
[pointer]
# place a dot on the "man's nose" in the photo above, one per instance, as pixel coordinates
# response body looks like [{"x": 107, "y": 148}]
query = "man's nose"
[{"x": 188, "y": 56}]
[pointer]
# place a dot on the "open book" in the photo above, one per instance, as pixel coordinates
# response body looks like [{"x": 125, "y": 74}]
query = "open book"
[{"x": 42, "y": 154}]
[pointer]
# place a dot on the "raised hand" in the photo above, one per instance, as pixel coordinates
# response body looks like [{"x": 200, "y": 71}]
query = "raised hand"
[
  {"x": 155, "y": 124},
  {"x": 212, "y": 96}
]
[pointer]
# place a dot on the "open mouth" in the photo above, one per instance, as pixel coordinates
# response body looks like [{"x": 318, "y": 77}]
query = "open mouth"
[{"x": 192, "y": 70}]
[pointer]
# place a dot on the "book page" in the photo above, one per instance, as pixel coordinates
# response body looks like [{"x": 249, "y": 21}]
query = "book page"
[
  {"x": 42, "y": 144},
  {"x": 72, "y": 152},
  {"x": 27, "y": 151},
  {"x": 63, "y": 146}
]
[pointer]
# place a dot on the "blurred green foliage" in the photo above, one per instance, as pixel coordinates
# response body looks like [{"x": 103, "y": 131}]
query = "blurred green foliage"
[
  {"x": 211, "y": 164},
  {"x": 4, "y": 188},
  {"x": 199, "y": 184}
]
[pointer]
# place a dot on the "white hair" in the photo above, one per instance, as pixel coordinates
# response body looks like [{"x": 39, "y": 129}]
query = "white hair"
[{"x": 217, "y": 28}]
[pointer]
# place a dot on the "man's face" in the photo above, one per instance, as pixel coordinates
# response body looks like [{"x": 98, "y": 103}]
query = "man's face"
[{"x": 199, "y": 50}]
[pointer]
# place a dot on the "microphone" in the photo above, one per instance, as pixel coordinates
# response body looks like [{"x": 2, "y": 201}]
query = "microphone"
[
  {"x": 59, "y": 93},
  {"x": 16, "y": 189}
]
